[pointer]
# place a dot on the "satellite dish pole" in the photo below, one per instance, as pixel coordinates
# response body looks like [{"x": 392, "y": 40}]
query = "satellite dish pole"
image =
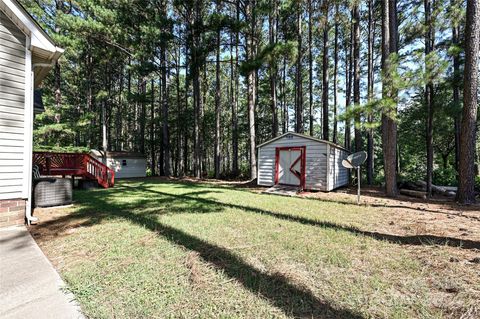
[
  {"x": 355, "y": 160},
  {"x": 358, "y": 189}
]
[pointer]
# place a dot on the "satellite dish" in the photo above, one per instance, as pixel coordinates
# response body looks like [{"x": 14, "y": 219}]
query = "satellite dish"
[
  {"x": 346, "y": 164},
  {"x": 357, "y": 159},
  {"x": 354, "y": 161}
]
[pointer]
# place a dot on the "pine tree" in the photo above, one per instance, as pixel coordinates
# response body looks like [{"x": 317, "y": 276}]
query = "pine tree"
[
  {"x": 389, "y": 126},
  {"x": 466, "y": 193}
]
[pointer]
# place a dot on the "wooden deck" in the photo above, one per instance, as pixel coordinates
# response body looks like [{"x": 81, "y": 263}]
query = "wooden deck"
[{"x": 74, "y": 164}]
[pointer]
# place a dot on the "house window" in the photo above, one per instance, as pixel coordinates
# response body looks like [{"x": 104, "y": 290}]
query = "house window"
[{"x": 124, "y": 162}]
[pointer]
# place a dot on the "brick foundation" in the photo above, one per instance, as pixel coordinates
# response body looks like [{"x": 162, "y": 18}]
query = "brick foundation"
[{"x": 12, "y": 212}]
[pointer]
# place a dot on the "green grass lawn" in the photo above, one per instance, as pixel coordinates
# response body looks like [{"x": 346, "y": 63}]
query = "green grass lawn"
[{"x": 162, "y": 249}]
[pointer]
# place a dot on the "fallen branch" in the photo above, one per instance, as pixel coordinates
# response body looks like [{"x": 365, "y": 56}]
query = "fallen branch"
[
  {"x": 435, "y": 189},
  {"x": 412, "y": 193}
]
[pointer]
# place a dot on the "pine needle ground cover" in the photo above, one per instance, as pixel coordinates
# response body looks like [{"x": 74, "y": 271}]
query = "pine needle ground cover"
[{"x": 158, "y": 249}]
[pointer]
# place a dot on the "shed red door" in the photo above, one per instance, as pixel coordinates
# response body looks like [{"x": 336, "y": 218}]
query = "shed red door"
[{"x": 290, "y": 166}]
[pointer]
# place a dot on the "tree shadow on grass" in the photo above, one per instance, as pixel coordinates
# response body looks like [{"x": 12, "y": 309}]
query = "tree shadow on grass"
[
  {"x": 166, "y": 205},
  {"x": 405, "y": 240},
  {"x": 191, "y": 202},
  {"x": 277, "y": 289},
  {"x": 291, "y": 299},
  {"x": 247, "y": 187},
  {"x": 99, "y": 205}
]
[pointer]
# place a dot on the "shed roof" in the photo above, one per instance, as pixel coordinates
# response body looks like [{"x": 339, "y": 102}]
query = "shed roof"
[
  {"x": 122, "y": 154},
  {"x": 44, "y": 51},
  {"x": 303, "y": 136},
  {"x": 126, "y": 154}
]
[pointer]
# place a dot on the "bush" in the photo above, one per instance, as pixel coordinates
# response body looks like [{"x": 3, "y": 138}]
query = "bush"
[
  {"x": 149, "y": 172},
  {"x": 411, "y": 176},
  {"x": 244, "y": 171},
  {"x": 445, "y": 177},
  {"x": 210, "y": 174},
  {"x": 61, "y": 149}
]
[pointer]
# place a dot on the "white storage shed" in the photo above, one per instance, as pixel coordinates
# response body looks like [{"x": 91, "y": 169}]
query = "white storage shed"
[
  {"x": 125, "y": 164},
  {"x": 304, "y": 161}
]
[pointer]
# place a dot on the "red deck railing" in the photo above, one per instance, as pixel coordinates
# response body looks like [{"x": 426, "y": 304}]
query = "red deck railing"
[
  {"x": 74, "y": 164},
  {"x": 99, "y": 171}
]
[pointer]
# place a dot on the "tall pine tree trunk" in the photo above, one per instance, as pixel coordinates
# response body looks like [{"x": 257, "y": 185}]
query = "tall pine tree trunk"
[
  {"x": 456, "y": 80},
  {"x": 109, "y": 109},
  {"x": 299, "y": 126},
  {"x": 284, "y": 98},
  {"x": 389, "y": 126},
  {"x": 370, "y": 80},
  {"x": 186, "y": 163},
  {"x": 356, "y": 73},
  {"x": 466, "y": 191},
  {"x": 310, "y": 66},
  {"x": 60, "y": 7},
  {"x": 120, "y": 114},
  {"x": 129, "y": 118},
  {"x": 104, "y": 131},
  {"x": 197, "y": 93},
  {"x": 251, "y": 92},
  {"x": 204, "y": 89},
  {"x": 152, "y": 130},
  {"x": 165, "y": 107},
  {"x": 104, "y": 120},
  {"x": 90, "y": 97},
  {"x": 335, "y": 75},
  {"x": 235, "y": 88},
  {"x": 218, "y": 107},
  {"x": 348, "y": 84},
  {"x": 429, "y": 93},
  {"x": 325, "y": 70},
  {"x": 180, "y": 118},
  {"x": 197, "y": 162},
  {"x": 273, "y": 69},
  {"x": 142, "y": 115}
]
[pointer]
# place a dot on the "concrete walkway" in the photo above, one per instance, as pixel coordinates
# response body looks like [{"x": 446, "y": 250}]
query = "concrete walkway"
[{"x": 29, "y": 285}]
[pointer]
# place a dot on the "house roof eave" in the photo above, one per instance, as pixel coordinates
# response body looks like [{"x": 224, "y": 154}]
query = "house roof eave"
[{"x": 41, "y": 44}]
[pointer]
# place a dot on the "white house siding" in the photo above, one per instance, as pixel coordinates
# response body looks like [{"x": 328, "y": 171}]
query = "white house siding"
[
  {"x": 136, "y": 167},
  {"x": 316, "y": 164},
  {"x": 338, "y": 175},
  {"x": 12, "y": 110}
]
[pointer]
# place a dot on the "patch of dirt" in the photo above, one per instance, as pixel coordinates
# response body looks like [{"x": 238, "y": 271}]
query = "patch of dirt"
[
  {"x": 192, "y": 262},
  {"x": 407, "y": 216},
  {"x": 54, "y": 222}
]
